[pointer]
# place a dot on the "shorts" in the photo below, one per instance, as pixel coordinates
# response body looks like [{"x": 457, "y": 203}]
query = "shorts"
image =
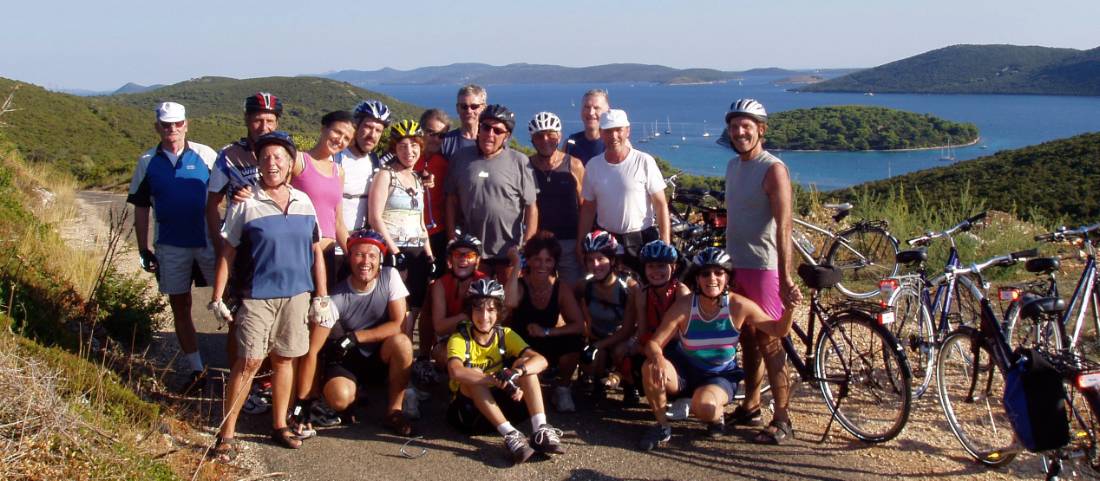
[
  {"x": 273, "y": 326},
  {"x": 569, "y": 267},
  {"x": 464, "y": 415},
  {"x": 358, "y": 368},
  {"x": 690, "y": 378},
  {"x": 416, "y": 275},
  {"x": 762, "y": 287},
  {"x": 179, "y": 266},
  {"x": 554, "y": 347},
  {"x": 438, "y": 242}
]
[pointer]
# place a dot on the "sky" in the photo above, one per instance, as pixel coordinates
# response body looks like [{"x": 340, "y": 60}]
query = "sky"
[{"x": 102, "y": 45}]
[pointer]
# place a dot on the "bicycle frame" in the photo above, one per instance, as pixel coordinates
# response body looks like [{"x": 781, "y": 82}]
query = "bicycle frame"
[{"x": 1084, "y": 292}]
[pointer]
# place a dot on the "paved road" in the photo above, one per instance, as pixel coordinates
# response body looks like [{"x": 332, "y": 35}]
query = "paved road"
[{"x": 600, "y": 440}]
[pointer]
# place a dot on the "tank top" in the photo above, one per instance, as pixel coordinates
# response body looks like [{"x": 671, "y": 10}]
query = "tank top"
[
  {"x": 557, "y": 200},
  {"x": 750, "y": 231},
  {"x": 657, "y": 301},
  {"x": 453, "y": 298},
  {"x": 711, "y": 344},
  {"x": 526, "y": 313},
  {"x": 606, "y": 316},
  {"x": 404, "y": 212},
  {"x": 323, "y": 190}
]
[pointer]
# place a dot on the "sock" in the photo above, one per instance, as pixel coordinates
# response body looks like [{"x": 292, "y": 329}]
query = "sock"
[
  {"x": 537, "y": 421},
  {"x": 194, "y": 359},
  {"x": 505, "y": 428}
]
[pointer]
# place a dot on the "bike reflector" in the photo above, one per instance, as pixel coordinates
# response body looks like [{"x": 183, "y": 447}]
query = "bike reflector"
[
  {"x": 1088, "y": 380},
  {"x": 887, "y": 314},
  {"x": 1008, "y": 293},
  {"x": 887, "y": 287}
]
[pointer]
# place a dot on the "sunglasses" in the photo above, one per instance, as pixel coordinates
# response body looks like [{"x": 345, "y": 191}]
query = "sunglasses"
[
  {"x": 470, "y": 106},
  {"x": 439, "y": 134},
  {"x": 169, "y": 125},
  {"x": 493, "y": 129},
  {"x": 712, "y": 273},
  {"x": 469, "y": 256}
]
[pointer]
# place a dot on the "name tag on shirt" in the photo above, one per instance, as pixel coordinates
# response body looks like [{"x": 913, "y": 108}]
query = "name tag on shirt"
[
  {"x": 483, "y": 174},
  {"x": 189, "y": 167}
]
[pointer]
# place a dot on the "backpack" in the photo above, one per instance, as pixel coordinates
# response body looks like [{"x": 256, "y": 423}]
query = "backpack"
[
  {"x": 1035, "y": 401},
  {"x": 464, "y": 331}
]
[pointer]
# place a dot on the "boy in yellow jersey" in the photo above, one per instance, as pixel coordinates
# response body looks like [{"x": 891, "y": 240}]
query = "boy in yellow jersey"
[{"x": 484, "y": 388}]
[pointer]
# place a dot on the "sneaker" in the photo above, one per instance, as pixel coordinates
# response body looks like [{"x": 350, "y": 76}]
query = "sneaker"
[
  {"x": 680, "y": 409},
  {"x": 655, "y": 437},
  {"x": 547, "y": 439},
  {"x": 259, "y": 400},
  {"x": 411, "y": 404},
  {"x": 716, "y": 429},
  {"x": 322, "y": 415},
  {"x": 517, "y": 445},
  {"x": 563, "y": 400}
]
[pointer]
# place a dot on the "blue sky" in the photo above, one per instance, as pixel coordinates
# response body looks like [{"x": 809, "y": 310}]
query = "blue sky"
[{"x": 101, "y": 45}]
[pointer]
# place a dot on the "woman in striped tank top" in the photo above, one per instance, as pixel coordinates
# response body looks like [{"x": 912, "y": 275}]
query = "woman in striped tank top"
[{"x": 703, "y": 364}]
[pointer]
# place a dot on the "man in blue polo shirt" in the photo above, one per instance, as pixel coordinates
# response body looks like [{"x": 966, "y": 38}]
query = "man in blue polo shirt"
[
  {"x": 470, "y": 102},
  {"x": 171, "y": 178},
  {"x": 587, "y": 143}
]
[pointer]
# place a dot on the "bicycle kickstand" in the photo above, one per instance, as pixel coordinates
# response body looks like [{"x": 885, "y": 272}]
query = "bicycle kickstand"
[{"x": 832, "y": 418}]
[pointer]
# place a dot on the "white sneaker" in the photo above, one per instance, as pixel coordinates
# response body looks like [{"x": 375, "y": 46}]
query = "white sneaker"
[
  {"x": 680, "y": 409},
  {"x": 563, "y": 400},
  {"x": 411, "y": 404}
]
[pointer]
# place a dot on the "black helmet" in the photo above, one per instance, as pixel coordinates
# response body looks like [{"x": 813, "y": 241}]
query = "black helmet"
[
  {"x": 277, "y": 137},
  {"x": 499, "y": 113},
  {"x": 464, "y": 240},
  {"x": 263, "y": 102}
]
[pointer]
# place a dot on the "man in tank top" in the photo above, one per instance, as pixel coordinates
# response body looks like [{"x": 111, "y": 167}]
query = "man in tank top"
[{"x": 558, "y": 178}]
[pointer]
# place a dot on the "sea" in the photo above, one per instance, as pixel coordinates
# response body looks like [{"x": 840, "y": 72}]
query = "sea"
[{"x": 691, "y": 112}]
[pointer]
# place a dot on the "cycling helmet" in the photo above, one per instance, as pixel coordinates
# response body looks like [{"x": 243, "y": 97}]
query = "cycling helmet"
[
  {"x": 464, "y": 240},
  {"x": 485, "y": 288},
  {"x": 544, "y": 121},
  {"x": 405, "y": 128},
  {"x": 372, "y": 109},
  {"x": 601, "y": 241},
  {"x": 658, "y": 251},
  {"x": 277, "y": 137},
  {"x": 263, "y": 102},
  {"x": 499, "y": 113},
  {"x": 367, "y": 236},
  {"x": 747, "y": 108},
  {"x": 711, "y": 256}
]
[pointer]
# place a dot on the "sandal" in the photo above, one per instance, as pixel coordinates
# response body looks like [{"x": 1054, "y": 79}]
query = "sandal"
[
  {"x": 397, "y": 422},
  {"x": 285, "y": 437},
  {"x": 225, "y": 450},
  {"x": 777, "y": 432},
  {"x": 744, "y": 417}
]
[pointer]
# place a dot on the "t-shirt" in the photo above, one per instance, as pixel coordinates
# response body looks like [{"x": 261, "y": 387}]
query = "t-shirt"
[
  {"x": 622, "y": 191},
  {"x": 453, "y": 142},
  {"x": 175, "y": 187},
  {"x": 436, "y": 165},
  {"x": 277, "y": 246},
  {"x": 358, "y": 173},
  {"x": 492, "y": 194},
  {"x": 235, "y": 167},
  {"x": 582, "y": 148},
  {"x": 364, "y": 310},
  {"x": 486, "y": 358}
]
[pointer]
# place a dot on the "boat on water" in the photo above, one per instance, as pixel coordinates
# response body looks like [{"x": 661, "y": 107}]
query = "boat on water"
[
  {"x": 705, "y": 133},
  {"x": 668, "y": 126},
  {"x": 947, "y": 152},
  {"x": 656, "y": 131}
]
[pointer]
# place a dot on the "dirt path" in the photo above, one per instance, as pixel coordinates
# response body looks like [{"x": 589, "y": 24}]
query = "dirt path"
[{"x": 600, "y": 438}]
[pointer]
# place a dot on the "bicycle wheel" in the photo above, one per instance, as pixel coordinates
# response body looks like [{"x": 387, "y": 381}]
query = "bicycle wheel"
[
  {"x": 913, "y": 330},
  {"x": 971, "y": 390},
  {"x": 863, "y": 376},
  {"x": 865, "y": 255},
  {"x": 1031, "y": 333},
  {"x": 966, "y": 305}
]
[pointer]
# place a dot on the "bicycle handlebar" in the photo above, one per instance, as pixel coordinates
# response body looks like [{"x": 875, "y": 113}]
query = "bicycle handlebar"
[
  {"x": 1062, "y": 233},
  {"x": 964, "y": 226},
  {"x": 998, "y": 261}
]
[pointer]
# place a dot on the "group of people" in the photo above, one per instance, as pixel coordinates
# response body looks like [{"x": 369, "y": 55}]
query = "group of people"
[{"x": 326, "y": 262}]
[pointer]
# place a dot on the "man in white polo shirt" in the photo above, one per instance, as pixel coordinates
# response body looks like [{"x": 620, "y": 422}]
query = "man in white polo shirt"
[
  {"x": 171, "y": 179},
  {"x": 624, "y": 192}
]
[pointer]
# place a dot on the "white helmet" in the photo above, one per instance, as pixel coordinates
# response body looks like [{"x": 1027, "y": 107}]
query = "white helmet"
[
  {"x": 748, "y": 108},
  {"x": 544, "y": 121}
]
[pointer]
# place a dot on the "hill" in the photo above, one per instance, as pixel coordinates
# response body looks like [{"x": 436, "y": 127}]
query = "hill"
[
  {"x": 133, "y": 88},
  {"x": 857, "y": 127},
  {"x": 979, "y": 69},
  {"x": 98, "y": 139},
  {"x": 1054, "y": 180}
]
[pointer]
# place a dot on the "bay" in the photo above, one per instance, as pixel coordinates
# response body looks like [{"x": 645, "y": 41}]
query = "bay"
[{"x": 1004, "y": 121}]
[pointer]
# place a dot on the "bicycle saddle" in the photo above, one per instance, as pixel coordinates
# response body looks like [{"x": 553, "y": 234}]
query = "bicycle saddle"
[
  {"x": 1035, "y": 306},
  {"x": 819, "y": 277},
  {"x": 1044, "y": 265},
  {"x": 913, "y": 256}
]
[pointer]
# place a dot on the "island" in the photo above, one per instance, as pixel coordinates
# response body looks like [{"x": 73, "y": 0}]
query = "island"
[{"x": 859, "y": 127}]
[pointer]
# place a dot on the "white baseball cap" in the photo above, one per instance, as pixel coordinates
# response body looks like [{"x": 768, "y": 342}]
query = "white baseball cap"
[
  {"x": 171, "y": 112},
  {"x": 613, "y": 119}
]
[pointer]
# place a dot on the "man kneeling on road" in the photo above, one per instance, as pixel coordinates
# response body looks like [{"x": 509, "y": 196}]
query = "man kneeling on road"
[{"x": 367, "y": 342}]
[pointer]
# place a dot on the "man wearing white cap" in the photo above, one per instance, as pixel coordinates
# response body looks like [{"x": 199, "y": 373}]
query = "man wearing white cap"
[
  {"x": 171, "y": 178},
  {"x": 623, "y": 191}
]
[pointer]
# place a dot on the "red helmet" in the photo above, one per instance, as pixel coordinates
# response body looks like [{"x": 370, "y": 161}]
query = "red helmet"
[
  {"x": 367, "y": 236},
  {"x": 263, "y": 102}
]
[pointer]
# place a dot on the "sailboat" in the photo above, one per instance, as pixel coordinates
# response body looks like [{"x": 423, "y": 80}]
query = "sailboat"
[
  {"x": 947, "y": 152},
  {"x": 705, "y": 133},
  {"x": 645, "y": 134},
  {"x": 668, "y": 128}
]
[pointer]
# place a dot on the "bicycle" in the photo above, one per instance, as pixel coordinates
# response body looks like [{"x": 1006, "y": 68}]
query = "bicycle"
[
  {"x": 971, "y": 369},
  {"x": 865, "y": 252},
  {"x": 858, "y": 365},
  {"x": 915, "y": 297},
  {"x": 697, "y": 218}
]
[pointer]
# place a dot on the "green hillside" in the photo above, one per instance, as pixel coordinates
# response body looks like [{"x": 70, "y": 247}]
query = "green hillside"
[
  {"x": 1054, "y": 180},
  {"x": 985, "y": 69},
  {"x": 857, "y": 127},
  {"x": 98, "y": 138}
]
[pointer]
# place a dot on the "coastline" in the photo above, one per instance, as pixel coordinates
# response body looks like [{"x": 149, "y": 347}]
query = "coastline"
[{"x": 936, "y": 147}]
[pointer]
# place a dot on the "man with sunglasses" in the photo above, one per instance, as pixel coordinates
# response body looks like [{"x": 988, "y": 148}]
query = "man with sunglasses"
[
  {"x": 470, "y": 103},
  {"x": 171, "y": 178},
  {"x": 492, "y": 189}
]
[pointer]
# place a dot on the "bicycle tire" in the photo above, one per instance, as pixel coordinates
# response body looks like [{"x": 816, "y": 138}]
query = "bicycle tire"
[
  {"x": 865, "y": 255},
  {"x": 913, "y": 329},
  {"x": 971, "y": 389},
  {"x": 863, "y": 376},
  {"x": 1030, "y": 333}
]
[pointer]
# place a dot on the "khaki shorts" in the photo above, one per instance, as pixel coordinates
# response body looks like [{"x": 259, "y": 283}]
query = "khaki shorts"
[
  {"x": 273, "y": 326},
  {"x": 177, "y": 264}
]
